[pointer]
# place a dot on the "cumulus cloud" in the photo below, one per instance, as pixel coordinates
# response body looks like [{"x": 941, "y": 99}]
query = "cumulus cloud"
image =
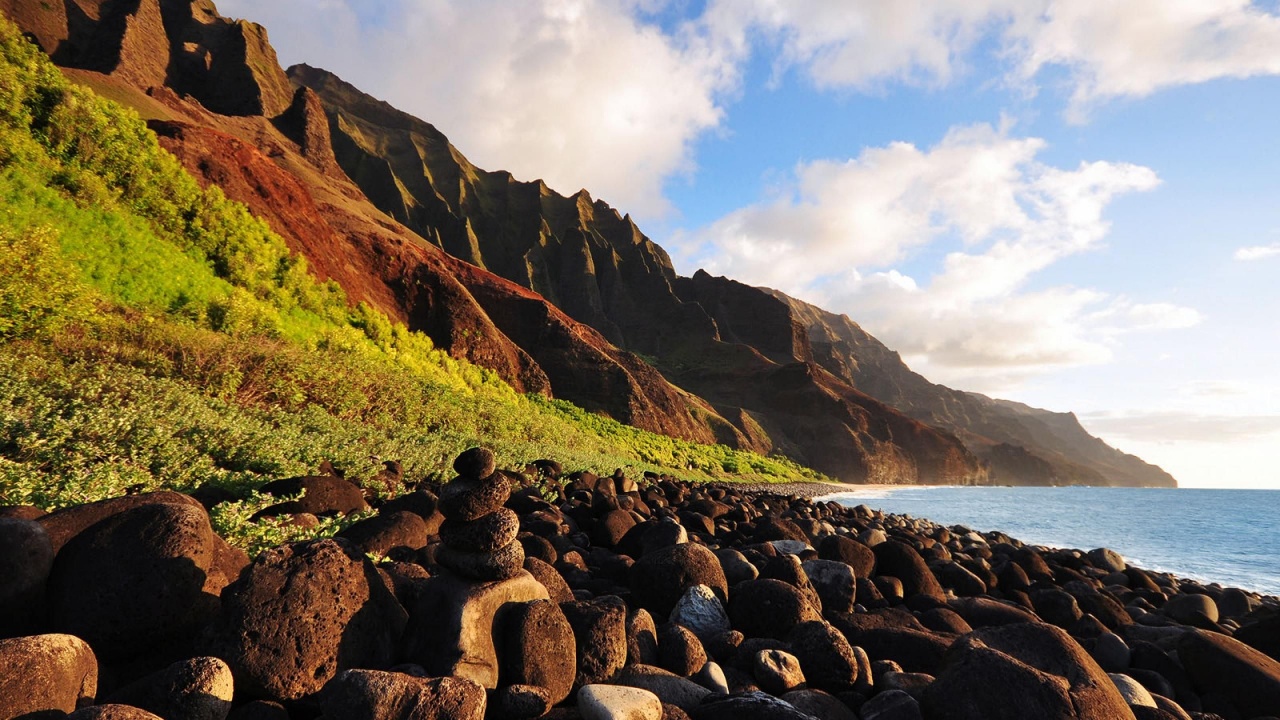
[
  {"x": 976, "y": 217},
  {"x": 1134, "y": 48},
  {"x": 1110, "y": 49},
  {"x": 1257, "y": 252},
  {"x": 595, "y": 94},
  {"x": 1180, "y": 426},
  {"x": 579, "y": 93}
]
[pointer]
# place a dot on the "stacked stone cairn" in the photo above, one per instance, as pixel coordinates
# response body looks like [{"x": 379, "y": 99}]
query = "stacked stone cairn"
[{"x": 478, "y": 537}]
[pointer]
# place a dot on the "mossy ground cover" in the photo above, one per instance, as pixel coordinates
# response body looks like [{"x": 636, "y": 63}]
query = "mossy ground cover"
[{"x": 157, "y": 335}]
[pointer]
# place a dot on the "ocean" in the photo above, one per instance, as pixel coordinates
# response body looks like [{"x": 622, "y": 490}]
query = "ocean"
[{"x": 1230, "y": 537}]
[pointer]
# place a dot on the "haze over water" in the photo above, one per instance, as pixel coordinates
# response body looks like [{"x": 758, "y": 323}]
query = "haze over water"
[{"x": 1225, "y": 536}]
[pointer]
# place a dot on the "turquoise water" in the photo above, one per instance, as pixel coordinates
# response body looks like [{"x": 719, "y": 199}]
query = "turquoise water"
[{"x": 1226, "y": 536}]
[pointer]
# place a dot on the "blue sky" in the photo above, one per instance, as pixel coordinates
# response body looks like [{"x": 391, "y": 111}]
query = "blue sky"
[{"x": 1070, "y": 203}]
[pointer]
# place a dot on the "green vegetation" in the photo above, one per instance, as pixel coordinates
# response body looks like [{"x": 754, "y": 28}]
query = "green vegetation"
[{"x": 157, "y": 335}]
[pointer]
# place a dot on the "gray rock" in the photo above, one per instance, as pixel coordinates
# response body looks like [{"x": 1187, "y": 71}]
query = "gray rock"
[
  {"x": 701, "y": 611},
  {"x": 790, "y": 547},
  {"x": 836, "y": 583},
  {"x": 748, "y": 706},
  {"x": 613, "y": 702},
  {"x": 670, "y": 688},
  {"x": 1132, "y": 691}
]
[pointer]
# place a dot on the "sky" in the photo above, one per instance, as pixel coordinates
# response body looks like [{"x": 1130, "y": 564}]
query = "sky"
[{"x": 1068, "y": 203}]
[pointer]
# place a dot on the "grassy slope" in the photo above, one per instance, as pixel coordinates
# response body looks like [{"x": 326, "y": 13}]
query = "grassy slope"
[{"x": 155, "y": 335}]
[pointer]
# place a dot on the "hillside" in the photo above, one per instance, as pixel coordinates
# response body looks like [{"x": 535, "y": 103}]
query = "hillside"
[
  {"x": 1024, "y": 445},
  {"x": 560, "y": 296},
  {"x": 156, "y": 335},
  {"x": 706, "y": 334}
]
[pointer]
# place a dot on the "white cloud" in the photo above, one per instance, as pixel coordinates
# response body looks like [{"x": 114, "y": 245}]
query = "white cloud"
[
  {"x": 1179, "y": 426},
  {"x": 1134, "y": 48},
  {"x": 1111, "y": 49},
  {"x": 858, "y": 43},
  {"x": 976, "y": 216},
  {"x": 588, "y": 93},
  {"x": 577, "y": 92},
  {"x": 1257, "y": 252}
]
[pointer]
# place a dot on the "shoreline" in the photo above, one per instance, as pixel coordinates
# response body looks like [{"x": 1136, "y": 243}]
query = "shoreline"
[{"x": 706, "y": 601}]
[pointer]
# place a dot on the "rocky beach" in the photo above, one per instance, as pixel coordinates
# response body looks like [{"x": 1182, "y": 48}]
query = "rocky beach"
[{"x": 543, "y": 593}]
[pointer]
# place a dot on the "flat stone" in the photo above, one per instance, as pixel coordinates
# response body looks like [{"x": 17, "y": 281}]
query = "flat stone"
[
  {"x": 451, "y": 626},
  {"x": 790, "y": 547},
  {"x": 613, "y": 702}
]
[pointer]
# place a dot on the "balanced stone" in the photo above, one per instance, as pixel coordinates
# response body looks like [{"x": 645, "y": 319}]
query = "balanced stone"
[
  {"x": 486, "y": 534},
  {"x": 479, "y": 535},
  {"x": 475, "y": 463},
  {"x": 506, "y": 562},
  {"x": 465, "y": 499}
]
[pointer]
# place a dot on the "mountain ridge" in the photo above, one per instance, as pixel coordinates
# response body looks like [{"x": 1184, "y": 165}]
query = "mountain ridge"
[{"x": 559, "y": 295}]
